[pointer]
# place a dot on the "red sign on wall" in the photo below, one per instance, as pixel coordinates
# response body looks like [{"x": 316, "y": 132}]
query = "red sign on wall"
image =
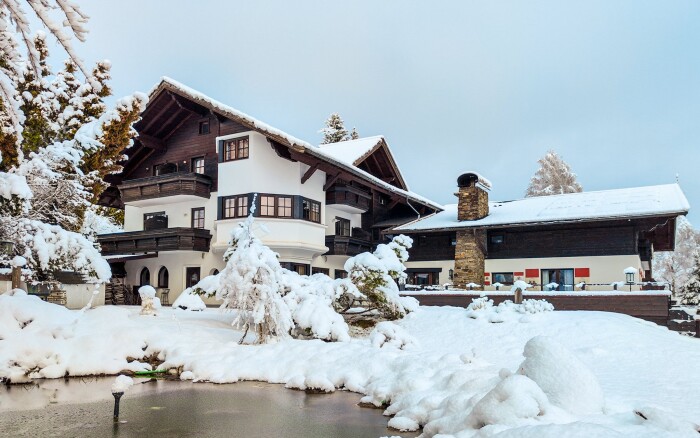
[
  {"x": 530, "y": 273},
  {"x": 582, "y": 272}
]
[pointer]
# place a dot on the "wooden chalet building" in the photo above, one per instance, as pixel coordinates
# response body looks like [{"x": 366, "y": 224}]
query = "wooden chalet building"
[
  {"x": 556, "y": 243},
  {"x": 194, "y": 172}
]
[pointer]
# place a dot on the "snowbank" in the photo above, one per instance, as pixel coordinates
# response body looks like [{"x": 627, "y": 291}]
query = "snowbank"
[
  {"x": 189, "y": 301},
  {"x": 462, "y": 377}
]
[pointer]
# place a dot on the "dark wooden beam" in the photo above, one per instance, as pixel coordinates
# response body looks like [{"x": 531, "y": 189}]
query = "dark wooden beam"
[
  {"x": 331, "y": 181},
  {"x": 394, "y": 203},
  {"x": 281, "y": 150},
  {"x": 152, "y": 142},
  {"x": 176, "y": 127},
  {"x": 308, "y": 173},
  {"x": 153, "y": 119},
  {"x": 168, "y": 121}
]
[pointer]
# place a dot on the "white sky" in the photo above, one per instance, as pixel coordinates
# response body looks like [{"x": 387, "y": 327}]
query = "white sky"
[{"x": 614, "y": 87}]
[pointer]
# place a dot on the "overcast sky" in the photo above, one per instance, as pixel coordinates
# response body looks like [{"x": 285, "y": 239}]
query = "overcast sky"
[{"x": 614, "y": 87}]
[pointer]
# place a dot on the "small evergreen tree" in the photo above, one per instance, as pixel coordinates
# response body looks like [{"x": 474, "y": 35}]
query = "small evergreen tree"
[
  {"x": 354, "y": 135},
  {"x": 334, "y": 131},
  {"x": 554, "y": 177},
  {"x": 676, "y": 267},
  {"x": 690, "y": 294},
  {"x": 376, "y": 275},
  {"x": 250, "y": 285}
]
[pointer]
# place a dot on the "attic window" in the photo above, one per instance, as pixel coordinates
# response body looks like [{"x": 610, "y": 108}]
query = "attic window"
[{"x": 204, "y": 127}]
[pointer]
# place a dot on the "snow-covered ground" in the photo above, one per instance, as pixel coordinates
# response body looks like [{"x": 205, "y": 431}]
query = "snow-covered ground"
[{"x": 516, "y": 372}]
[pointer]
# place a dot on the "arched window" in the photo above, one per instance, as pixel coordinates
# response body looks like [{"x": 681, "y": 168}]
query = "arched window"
[
  {"x": 145, "y": 277},
  {"x": 163, "y": 277}
]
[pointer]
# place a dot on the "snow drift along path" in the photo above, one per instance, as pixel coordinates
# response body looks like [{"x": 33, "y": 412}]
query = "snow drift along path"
[{"x": 450, "y": 373}]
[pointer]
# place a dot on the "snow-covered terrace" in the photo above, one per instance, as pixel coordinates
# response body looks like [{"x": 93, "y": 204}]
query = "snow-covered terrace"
[
  {"x": 661, "y": 200},
  {"x": 330, "y": 156}
]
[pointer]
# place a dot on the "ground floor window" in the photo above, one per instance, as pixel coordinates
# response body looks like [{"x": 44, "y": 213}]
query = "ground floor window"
[
  {"x": 505, "y": 278},
  {"x": 320, "y": 271},
  {"x": 163, "y": 277},
  {"x": 562, "y": 278},
  {"x": 299, "y": 268},
  {"x": 423, "y": 277},
  {"x": 145, "y": 277},
  {"x": 339, "y": 273},
  {"x": 192, "y": 276}
]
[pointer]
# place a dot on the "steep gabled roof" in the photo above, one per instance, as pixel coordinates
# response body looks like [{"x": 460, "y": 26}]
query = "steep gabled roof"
[
  {"x": 367, "y": 153},
  {"x": 300, "y": 146},
  {"x": 638, "y": 202}
]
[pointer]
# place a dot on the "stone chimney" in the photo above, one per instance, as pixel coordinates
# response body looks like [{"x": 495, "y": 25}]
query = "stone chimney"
[
  {"x": 470, "y": 251},
  {"x": 473, "y": 197}
]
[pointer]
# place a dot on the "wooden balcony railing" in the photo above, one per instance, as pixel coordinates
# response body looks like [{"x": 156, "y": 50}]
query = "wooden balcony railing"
[
  {"x": 349, "y": 196},
  {"x": 346, "y": 245},
  {"x": 169, "y": 184},
  {"x": 165, "y": 239}
]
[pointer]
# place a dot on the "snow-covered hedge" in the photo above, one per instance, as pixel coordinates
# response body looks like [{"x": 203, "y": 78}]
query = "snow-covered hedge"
[{"x": 483, "y": 308}]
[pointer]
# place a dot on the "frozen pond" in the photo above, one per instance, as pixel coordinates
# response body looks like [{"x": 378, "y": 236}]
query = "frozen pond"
[{"x": 83, "y": 407}]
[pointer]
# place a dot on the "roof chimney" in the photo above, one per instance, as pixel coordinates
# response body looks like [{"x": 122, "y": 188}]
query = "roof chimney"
[{"x": 473, "y": 197}]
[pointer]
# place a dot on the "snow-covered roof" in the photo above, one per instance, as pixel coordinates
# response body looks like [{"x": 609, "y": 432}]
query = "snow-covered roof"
[
  {"x": 635, "y": 202},
  {"x": 300, "y": 145},
  {"x": 352, "y": 152}
]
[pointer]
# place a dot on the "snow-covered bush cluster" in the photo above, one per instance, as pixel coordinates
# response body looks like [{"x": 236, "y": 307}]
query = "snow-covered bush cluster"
[
  {"x": 188, "y": 300},
  {"x": 276, "y": 302},
  {"x": 483, "y": 308}
]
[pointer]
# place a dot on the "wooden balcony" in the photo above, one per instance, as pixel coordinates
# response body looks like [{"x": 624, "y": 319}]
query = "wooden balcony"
[
  {"x": 164, "y": 239},
  {"x": 169, "y": 184},
  {"x": 345, "y": 245},
  {"x": 348, "y": 198}
]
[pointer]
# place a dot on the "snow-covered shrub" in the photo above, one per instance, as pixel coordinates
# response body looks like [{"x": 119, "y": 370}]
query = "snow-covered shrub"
[
  {"x": 148, "y": 300},
  {"x": 535, "y": 306},
  {"x": 514, "y": 401},
  {"x": 568, "y": 383},
  {"x": 375, "y": 275},
  {"x": 388, "y": 333},
  {"x": 481, "y": 303},
  {"x": 189, "y": 301}
]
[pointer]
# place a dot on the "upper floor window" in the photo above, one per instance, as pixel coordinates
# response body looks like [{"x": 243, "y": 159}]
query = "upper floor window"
[
  {"x": 311, "y": 210},
  {"x": 204, "y": 127},
  {"x": 342, "y": 227},
  {"x": 235, "y": 206},
  {"x": 198, "y": 165},
  {"x": 284, "y": 206},
  {"x": 198, "y": 217},
  {"x": 276, "y": 206},
  {"x": 236, "y": 149},
  {"x": 267, "y": 205}
]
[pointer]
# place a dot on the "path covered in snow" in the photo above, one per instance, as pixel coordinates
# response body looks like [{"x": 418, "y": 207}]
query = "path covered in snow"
[{"x": 449, "y": 370}]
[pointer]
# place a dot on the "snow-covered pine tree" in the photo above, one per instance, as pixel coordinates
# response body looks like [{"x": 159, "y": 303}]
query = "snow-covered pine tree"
[
  {"x": 354, "y": 135},
  {"x": 250, "y": 285},
  {"x": 690, "y": 293},
  {"x": 554, "y": 177},
  {"x": 675, "y": 267},
  {"x": 334, "y": 131},
  {"x": 57, "y": 141}
]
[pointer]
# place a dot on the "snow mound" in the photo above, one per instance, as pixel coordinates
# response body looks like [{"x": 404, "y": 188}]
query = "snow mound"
[
  {"x": 512, "y": 402},
  {"x": 386, "y": 333},
  {"x": 568, "y": 383},
  {"x": 483, "y": 308},
  {"x": 122, "y": 383},
  {"x": 189, "y": 301},
  {"x": 147, "y": 292}
]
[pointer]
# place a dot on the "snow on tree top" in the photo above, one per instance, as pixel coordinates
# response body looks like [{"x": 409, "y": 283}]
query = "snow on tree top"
[
  {"x": 571, "y": 207},
  {"x": 317, "y": 151}
]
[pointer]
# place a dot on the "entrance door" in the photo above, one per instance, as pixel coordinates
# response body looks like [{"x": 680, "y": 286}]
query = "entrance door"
[{"x": 192, "y": 276}]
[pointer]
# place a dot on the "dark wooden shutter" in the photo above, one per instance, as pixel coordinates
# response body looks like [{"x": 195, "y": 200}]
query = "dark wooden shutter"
[
  {"x": 221, "y": 151},
  {"x": 220, "y": 208}
]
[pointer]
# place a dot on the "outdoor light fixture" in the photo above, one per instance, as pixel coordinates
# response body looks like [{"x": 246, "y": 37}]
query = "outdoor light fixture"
[
  {"x": 7, "y": 248},
  {"x": 630, "y": 277},
  {"x": 451, "y": 273},
  {"x": 117, "y": 396}
]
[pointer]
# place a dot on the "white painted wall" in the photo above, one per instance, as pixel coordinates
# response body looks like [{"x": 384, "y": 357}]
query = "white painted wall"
[
  {"x": 179, "y": 213},
  {"x": 331, "y": 215},
  {"x": 603, "y": 269}
]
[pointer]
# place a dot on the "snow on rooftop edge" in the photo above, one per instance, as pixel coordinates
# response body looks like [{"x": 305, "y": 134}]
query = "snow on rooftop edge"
[
  {"x": 196, "y": 95},
  {"x": 598, "y": 205}
]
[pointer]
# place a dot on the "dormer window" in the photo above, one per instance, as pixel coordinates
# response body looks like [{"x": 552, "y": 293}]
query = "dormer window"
[{"x": 204, "y": 127}]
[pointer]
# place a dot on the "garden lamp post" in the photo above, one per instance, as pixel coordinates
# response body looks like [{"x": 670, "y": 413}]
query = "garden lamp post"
[{"x": 629, "y": 277}]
